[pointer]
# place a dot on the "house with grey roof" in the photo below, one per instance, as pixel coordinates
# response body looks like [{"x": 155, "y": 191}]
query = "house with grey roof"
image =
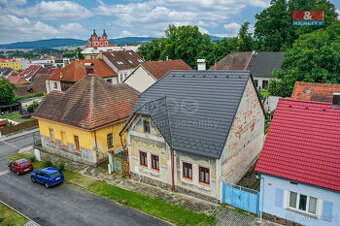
[
  {"x": 191, "y": 130},
  {"x": 260, "y": 64}
]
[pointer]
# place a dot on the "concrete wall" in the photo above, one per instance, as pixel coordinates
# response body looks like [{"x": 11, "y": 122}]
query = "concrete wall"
[
  {"x": 140, "y": 79},
  {"x": 245, "y": 138},
  {"x": 50, "y": 85},
  {"x": 274, "y": 201}
]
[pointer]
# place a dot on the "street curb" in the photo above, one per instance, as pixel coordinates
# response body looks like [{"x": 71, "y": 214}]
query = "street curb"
[{"x": 29, "y": 219}]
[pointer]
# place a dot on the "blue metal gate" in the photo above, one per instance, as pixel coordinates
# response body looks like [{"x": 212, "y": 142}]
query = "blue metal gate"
[{"x": 241, "y": 197}]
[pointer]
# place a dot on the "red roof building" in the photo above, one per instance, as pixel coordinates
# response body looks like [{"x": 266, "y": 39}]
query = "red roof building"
[
  {"x": 303, "y": 143},
  {"x": 16, "y": 80},
  {"x": 312, "y": 91},
  {"x": 31, "y": 71}
]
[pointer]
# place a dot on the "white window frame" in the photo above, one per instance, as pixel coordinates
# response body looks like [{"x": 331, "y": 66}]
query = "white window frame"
[{"x": 305, "y": 212}]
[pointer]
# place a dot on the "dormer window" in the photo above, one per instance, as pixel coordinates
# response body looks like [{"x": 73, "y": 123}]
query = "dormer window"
[
  {"x": 130, "y": 53},
  {"x": 130, "y": 61},
  {"x": 140, "y": 60},
  {"x": 120, "y": 62}
]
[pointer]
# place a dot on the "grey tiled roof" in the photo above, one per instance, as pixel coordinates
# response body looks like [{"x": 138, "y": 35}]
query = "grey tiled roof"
[
  {"x": 194, "y": 110},
  {"x": 263, "y": 64}
]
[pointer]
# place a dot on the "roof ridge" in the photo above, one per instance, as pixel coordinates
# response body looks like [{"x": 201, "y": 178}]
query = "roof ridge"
[{"x": 91, "y": 99}]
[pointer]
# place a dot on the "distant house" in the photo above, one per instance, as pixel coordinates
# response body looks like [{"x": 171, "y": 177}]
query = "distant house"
[
  {"x": 260, "y": 64},
  {"x": 122, "y": 62},
  {"x": 193, "y": 129},
  {"x": 83, "y": 123},
  {"x": 150, "y": 72},
  {"x": 299, "y": 164},
  {"x": 320, "y": 92},
  {"x": 77, "y": 70},
  {"x": 17, "y": 80},
  {"x": 5, "y": 72},
  {"x": 31, "y": 72}
]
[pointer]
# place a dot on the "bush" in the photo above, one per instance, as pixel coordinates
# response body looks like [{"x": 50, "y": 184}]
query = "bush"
[
  {"x": 32, "y": 158},
  {"x": 48, "y": 163},
  {"x": 60, "y": 166}
]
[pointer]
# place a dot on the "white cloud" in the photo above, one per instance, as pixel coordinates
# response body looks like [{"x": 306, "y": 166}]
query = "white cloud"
[
  {"x": 156, "y": 15},
  {"x": 23, "y": 29},
  {"x": 57, "y": 10},
  {"x": 72, "y": 28},
  {"x": 338, "y": 12},
  {"x": 232, "y": 29},
  {"x": 13, "y": 2}
]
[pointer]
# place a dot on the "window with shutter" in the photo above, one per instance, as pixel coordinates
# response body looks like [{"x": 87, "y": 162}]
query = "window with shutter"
[{"x": 327, "y": 213}]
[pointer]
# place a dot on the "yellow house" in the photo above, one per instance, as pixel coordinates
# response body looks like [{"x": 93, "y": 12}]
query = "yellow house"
[
  {"x": 84, "y": 122},
  {"x": 10, "y": 64}
]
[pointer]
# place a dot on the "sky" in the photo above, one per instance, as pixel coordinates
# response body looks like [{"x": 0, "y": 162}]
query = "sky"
[{"x": 29, "y": 20}]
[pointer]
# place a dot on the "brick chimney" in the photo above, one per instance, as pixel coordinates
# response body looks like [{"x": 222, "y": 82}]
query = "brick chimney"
[
  {"x": 336, "y": 100},
  {"x": 101, "y": 54}
]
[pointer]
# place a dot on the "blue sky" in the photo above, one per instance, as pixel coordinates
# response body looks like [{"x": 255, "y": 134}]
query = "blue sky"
[{"x": 28, "y": 20}]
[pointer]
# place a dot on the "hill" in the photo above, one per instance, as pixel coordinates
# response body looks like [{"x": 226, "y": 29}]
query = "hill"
[{"x": 61, "y": 42}]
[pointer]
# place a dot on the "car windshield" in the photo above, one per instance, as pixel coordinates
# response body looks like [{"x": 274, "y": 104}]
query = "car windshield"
[
  {"x": 24, "y": 164},
  {"x": 53, "y": 175}
]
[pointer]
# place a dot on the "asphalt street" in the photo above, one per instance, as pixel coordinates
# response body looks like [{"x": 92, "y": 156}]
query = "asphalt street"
[{"x": 61, "y": 205}]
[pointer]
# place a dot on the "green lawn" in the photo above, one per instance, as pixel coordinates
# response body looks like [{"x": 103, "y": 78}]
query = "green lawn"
[
  {"x": 10, "y": 217},
  {"x": 11, "y": 116},
  {"x": 156, "y": 207}
]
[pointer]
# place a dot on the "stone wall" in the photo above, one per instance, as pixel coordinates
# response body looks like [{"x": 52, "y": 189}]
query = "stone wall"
[{"x": 85, "y": 156}]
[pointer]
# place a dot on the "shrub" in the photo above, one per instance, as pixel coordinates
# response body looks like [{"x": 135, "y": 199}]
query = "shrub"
[
  {"x": 48, "y": 163},
  {"x": 32, "y": 158},
  {"x": 60, "y": 166}
]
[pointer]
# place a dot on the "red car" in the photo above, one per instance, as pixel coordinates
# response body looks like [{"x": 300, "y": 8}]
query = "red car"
[{"x": 20, "y": 166}]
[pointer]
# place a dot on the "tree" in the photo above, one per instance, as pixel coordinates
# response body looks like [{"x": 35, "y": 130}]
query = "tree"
[
  {"x": 6, "y": 91},
  {"x": 245, "y": 41},
  {"x": 274, "y": 30},
  {"x": 32, "y": 108},
  {"x": 314, "y": 57},
  {"x": 76, "y": 53}
]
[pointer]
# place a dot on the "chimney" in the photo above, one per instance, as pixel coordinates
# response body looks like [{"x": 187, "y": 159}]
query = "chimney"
[
  {"x": 336, "y": 100},
  {"x": 201, "y": 65},
  {"x": 101, "y": 54}
]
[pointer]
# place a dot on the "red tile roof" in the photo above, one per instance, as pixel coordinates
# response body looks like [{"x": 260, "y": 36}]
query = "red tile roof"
[
  {"x": 16, "y": 79},
  {"x": 160, "y": 68},
  {"x": 321, "y": 92},
  {"x": 31, "y": 71},
  {"x": 90, "y": 103},
  {"x": 303, "y": 144},
  {"x": 76, "y": 71},
  {"x": 3, "y": 122}
]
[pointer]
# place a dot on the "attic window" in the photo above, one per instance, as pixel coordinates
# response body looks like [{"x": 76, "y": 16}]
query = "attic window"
[
  {"x": 140, "y": 60},
  {"x": 130, "y": 53},
  {"x": 308, "y": 91},
  {"x": 120, "y": 62},
  {"x": 112, "y": 54},
  {"x": 146, "y": 125},
  {"x": 130, "y": 61}
]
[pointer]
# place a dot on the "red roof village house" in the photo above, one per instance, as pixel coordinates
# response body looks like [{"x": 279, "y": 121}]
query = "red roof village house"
[
  {"x": 311, "y": 91},
  {"x": 30, "y": 72},
  {"x": 300, "y": 163},
  {"x": 17, "y": 80},
  {"x": 78, "y": 70}
]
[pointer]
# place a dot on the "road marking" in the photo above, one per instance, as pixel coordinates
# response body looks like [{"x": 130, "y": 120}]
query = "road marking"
[{"x": 4, "y": 172}]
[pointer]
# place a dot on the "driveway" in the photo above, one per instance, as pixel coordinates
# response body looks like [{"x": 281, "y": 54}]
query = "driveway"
[{"x": 61, "y": 205}]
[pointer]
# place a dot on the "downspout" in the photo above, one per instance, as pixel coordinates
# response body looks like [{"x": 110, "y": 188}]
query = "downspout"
[
  {"x": 261, "y": 195},
  {"x": 173, "y": 170},
  {"x": 127, "y": 154}
]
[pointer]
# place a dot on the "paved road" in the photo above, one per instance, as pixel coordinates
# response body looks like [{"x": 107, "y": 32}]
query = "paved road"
[{"x": 60, "y": 205}]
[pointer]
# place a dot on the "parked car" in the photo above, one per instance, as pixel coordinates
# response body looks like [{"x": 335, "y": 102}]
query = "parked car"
[
  {"x": 20, "y": 166},
  {"x": 49, "y": 176}
]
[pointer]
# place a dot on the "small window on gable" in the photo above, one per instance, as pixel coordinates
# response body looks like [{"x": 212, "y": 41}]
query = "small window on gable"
[
  {"x": 146, "y": 125},
  {"x": 308, "y": 91}
]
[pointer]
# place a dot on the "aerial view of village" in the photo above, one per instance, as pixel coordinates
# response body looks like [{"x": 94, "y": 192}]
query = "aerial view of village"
[{"x": 169, "y": 112}]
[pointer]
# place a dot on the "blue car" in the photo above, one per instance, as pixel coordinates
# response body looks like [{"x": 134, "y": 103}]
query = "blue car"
[{"x": 49, "y": 176}]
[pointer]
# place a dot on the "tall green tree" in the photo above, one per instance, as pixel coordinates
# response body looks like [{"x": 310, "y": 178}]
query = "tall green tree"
[
  {"x": 245, "y": 41},
  {"x": 314, "y": 57},
  {"x": 6, "y": 91},
  {"x": 274, "y": 30}
]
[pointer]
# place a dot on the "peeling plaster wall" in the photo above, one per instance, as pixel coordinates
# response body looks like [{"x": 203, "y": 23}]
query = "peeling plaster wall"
[{"x": 245, "y": 139}]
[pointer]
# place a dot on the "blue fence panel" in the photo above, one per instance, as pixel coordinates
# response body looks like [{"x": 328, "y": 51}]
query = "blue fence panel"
[{"x": 240, "y": 197}]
